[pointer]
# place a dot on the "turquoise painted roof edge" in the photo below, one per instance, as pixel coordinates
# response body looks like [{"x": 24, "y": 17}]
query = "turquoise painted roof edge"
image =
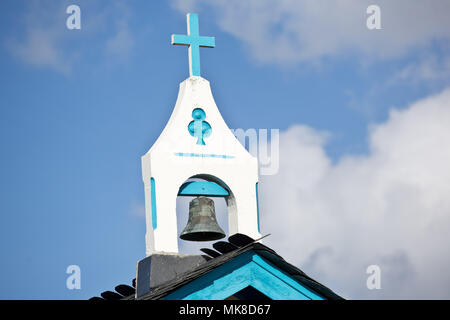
[{"x": 244, "y": 270}]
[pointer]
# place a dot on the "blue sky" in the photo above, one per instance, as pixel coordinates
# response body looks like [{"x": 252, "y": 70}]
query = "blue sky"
[{"x": 78, "y": 108}]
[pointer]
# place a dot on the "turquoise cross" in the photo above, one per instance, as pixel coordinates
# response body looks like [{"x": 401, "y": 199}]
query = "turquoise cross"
[
  {"x": 194, "y": 41},
  {"x": 199, "y": 128}
]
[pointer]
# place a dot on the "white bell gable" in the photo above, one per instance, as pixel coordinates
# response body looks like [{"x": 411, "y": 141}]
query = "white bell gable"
[{"x": 197, "y": 143}]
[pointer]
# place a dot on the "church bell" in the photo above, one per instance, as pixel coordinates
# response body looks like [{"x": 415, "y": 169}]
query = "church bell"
[{"x": 202, "y": 223}]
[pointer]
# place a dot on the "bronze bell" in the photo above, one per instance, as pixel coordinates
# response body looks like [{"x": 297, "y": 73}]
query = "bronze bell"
[{"x": 202, "y": 223}]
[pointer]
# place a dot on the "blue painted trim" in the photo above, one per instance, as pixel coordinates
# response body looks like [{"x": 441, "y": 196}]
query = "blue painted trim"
[
  {"x": 257, "y": 206},
  {"x": 194, "y": 41},
  {"x": 281, "y": 275},
  {"x": 202, "y": 155},
  {"x": 204, "y": 188},
  {"x": 153, "y": 197},
  {"x": 247, "y": 269}
]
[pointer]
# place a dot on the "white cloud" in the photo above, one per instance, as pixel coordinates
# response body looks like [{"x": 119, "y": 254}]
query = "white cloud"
[
  {"x": 291, "y": 31},
  {"x": 41, "y": 45},
  {"x": 390, "y": 207},
  {"x": 46, "y": 42},
  {"x": 431, "y": 69},
  {"x": 40, "y": 49},
  {"x": 137, "y": 209},
  {"x": 121, "y": 43}
]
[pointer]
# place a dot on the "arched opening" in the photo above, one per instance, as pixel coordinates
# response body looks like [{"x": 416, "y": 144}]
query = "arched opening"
[{"x": 214, "y": 189}]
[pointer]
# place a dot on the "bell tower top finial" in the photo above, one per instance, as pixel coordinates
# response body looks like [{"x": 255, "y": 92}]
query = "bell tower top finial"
[{"x": 194, "y": 41}]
